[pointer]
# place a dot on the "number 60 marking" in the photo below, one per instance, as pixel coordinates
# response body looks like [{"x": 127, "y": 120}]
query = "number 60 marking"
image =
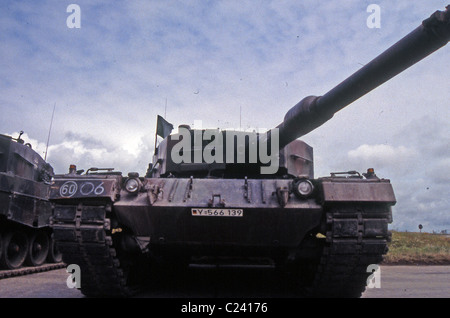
[{"x": 68, "y": 189}]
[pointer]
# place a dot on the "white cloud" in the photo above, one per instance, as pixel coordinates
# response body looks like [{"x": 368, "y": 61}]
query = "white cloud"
[{"x": 381, "y": 155}]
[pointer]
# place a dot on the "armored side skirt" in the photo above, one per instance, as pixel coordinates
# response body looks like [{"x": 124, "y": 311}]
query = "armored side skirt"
[{"x": 24, "y": 201}]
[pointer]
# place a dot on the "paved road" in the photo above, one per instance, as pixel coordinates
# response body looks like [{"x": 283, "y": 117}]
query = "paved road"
[
  {"x": 395, "y": 282},
  {"x": 412, "y": 282}
]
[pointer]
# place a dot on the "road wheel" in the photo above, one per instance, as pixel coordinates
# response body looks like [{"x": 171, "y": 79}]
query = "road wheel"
[
  {"x": 54, "y": 255},
  {"x": 15, "y": 248},
  {"x": 38, "y": 248}
]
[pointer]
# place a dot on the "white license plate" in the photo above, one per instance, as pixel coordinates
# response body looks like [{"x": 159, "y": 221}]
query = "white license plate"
[{"x": 217, "y": 212}]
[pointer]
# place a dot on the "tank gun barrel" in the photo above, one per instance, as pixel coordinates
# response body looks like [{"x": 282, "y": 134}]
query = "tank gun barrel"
[{"x": 313, "y": 111}]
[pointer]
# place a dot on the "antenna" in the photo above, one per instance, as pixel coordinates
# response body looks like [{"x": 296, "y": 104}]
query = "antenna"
[
  {"x": 49, "y": 131},
  {"x": 165, "y": 109},
  {"x": 240, "y": 116}
]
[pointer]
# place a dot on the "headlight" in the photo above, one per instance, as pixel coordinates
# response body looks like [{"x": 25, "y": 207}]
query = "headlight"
[
  {"x": 132, "y": 185},
  {"x": 303, "y": 188}
]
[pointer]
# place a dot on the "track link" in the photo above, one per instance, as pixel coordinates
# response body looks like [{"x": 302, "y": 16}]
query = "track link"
[
  {"x": 30, "y": 270},
  {"x": 84, "y": 238},
  {"x": 356, "y": 237}
]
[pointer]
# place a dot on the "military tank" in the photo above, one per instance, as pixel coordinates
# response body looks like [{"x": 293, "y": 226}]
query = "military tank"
[
  {"x": 25, "y": 235},
  {"x": 214, "y": 196}
]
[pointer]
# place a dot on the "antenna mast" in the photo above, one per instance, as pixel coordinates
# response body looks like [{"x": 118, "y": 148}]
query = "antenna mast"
[
  {"x": 49, "y": 131},
  {"x": 240, "y": 117}
]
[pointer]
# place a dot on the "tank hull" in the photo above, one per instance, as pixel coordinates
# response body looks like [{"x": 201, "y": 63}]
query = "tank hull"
[{"x": 250, "y": 221}]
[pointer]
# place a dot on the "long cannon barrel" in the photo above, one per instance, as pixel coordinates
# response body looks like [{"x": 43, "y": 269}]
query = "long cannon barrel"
[{"x": 313, "y": 111}]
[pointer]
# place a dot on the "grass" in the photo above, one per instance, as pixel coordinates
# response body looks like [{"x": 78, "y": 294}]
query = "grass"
[{"x": 418, "y": 248}]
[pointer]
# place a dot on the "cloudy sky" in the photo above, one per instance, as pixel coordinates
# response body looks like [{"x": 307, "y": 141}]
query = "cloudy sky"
[{"x": 231, "y": 64}]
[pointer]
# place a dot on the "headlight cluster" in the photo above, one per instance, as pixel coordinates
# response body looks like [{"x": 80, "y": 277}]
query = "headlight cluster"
[
  {"x": 303, "y": 188},
  {"x": 133, "y": 184}
]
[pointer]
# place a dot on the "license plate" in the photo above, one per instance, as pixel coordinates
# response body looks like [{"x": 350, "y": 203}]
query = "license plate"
[{"x": 217, "y": 212}]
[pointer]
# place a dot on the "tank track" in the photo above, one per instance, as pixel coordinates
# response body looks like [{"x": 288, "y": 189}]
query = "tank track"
[
  {"x": 351, "y": 246},
  {"x": 30, "y": 270},
  {"x": 84, "y": 238}
]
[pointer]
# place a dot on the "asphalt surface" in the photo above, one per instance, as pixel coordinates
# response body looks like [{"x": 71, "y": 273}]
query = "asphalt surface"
[
  {"x": 392, "y": 282},
  {"x": 412, "y": 282}
]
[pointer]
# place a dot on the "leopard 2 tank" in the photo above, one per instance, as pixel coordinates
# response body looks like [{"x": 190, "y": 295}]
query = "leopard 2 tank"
[{"x": 222, "y": 196}]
